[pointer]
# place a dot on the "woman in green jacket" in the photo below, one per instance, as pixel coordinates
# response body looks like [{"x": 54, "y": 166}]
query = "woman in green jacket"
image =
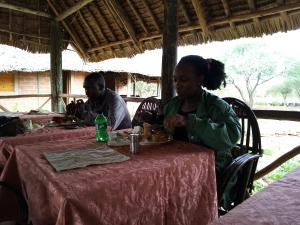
[{"x": 195, "y": 115}]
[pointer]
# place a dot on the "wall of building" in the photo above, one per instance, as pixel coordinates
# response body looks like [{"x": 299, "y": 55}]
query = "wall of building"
[
  {"x": 77, "y": 79},
  {"x": 26, "y": 84},
  {"x": 21, "y": 83}
]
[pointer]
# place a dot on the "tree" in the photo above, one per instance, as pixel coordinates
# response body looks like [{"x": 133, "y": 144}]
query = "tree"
[
  {"x": 250, "y": 65},
  {"x": 293, "y": 77},
  {"x": 284, "y": 89}
]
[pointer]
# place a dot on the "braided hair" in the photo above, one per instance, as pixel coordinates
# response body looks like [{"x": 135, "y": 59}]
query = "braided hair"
[{"x": 211, "y": 69}]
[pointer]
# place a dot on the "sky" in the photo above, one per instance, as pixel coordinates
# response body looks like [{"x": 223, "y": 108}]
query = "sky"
[{"x": 148, "y": 63}]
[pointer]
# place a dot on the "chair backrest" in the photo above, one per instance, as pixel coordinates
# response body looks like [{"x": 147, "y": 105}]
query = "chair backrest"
[
  {"x": 23, "y": 208},
  {"x": 250, "y": 140},
  {"x": 246, "y": 154},
  {"x": 151, "y": 105}
]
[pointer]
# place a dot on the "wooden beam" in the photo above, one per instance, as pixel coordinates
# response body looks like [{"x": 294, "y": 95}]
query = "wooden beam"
[
  {"x": 228, "y": 13},
  {"x": 24, "y": 10},
  {"x": 200, "y": 15},
  {"x": 116, "y": 19},
  {"x": 257, "y": 13},
  {"x": 284, "y": 16},
  {"x": 151, "y": 14},
  {"x": 76, "y": 41},
  {"x": 186, "y": 16},
  {"x": 24, "y": 96},
  {"x": 278, "y": 162},
  {"x": 73, "y": 9},
  {"x": 137, "y": 16},
  {"x": 277, "y": 114},
  {"x": 169, "y": 56},
  {"x": 252, "y": 8},
  {"x": 27, "y": 35},
  {"x": 4, "y": 109},
  {"x": 117, "y": 9}
]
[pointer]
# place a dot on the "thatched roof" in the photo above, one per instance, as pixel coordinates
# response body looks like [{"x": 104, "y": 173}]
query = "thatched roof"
[
  {"x": 102, "y": 29},
  {"x": 14, "y": 59}
]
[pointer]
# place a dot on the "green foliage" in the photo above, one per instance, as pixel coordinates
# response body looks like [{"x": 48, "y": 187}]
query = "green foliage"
[
  {"x": 293, "y": 76},
  {"x": 276, "y": 174},
  {"x": 268, "y": 152},
  {"x": 144, "y": 89},
  {"x": 251, "y": 64}
]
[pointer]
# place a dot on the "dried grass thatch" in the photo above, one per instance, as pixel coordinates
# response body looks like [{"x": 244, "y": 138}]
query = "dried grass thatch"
[{"x": 102, "y": 29}]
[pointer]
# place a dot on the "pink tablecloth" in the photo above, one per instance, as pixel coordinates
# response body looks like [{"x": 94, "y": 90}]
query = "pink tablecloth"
[
  {"x": 40, "y": 117},
  {"x": 165, "y": 184},
  {"x": 7, "y": 144},
  {"x": 278, "y": 204}
]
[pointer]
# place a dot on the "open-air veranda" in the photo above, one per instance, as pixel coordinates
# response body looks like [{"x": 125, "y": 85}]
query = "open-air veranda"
[{"x": 195, "y": 24}]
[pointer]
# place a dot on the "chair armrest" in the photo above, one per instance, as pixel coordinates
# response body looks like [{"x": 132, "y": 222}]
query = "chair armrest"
[{"x": 232, "y": 169}]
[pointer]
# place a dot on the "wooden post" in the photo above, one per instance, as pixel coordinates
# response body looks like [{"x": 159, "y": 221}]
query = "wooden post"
[
  {"x": 169, "y": 56},
  {"x": 128, "y": 85},
  {"x": 56, "y": 66}
]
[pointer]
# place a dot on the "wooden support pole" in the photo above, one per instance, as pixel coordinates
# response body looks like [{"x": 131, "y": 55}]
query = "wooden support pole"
[
  {"x": 56, "y": 66},
  {"x": 169, "y": 57}
]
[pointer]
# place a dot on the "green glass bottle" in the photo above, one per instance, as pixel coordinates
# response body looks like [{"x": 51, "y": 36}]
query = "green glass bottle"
[{"x": 101, "y": 128}]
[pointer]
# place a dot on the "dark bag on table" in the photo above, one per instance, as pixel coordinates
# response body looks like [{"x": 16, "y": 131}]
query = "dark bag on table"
[{"x": 11, "y": 126}]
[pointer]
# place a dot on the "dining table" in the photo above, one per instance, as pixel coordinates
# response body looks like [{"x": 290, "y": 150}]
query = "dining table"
[
  {"x": 168, "y": 184},
  {"x": 36, "y": 116},
  {"x": 36, "y": 136},
  {"x": 277, "y": 204}
]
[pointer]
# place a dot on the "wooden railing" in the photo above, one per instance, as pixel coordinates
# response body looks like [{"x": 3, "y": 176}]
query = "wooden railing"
[
  {"x": 277, "y": 115},
  {"x": 66, "y": 96}
]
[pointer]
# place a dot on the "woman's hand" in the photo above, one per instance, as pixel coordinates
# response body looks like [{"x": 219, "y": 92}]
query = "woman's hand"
[{"x": 175, "y": 121}]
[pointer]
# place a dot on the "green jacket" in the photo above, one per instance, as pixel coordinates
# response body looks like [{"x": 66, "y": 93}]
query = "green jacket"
[{"x": 215, "y": 125}]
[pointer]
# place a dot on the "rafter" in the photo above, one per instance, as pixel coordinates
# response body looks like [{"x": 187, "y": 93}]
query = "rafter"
[
  {"x": 24, "y": 10},
  {"x": 72, "y": 10},
  {"x": 115, "y": 18},
  {"x": 85, "y": 22},
  {"x": 252, "y": 8},
  {"x": 186, "y": 16},
  {"x": 200, "y": 15},
  {"x": 228, "y": 13},
  {"x": 98, "y": 26},
  {"x": 103, "y": 19},
  {"x": 76, "y": 40},
  {"x": 137, "y": 15},
  {"x": 257, "y": 13},
  {"x": 284, "y": 15},
  {"x": 151, "y": 15},
  {"x": 117, "y": 9}
]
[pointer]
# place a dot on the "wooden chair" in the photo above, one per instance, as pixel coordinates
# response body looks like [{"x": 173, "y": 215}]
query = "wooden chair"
[
  {"x": 23, "y": 208},
  {"x": 246, "y": 155},
  {"x": 151, "y": 105}
]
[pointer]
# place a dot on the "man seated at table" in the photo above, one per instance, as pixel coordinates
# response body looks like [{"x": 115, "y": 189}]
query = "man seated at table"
[{"x": 103, "y": 100}]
